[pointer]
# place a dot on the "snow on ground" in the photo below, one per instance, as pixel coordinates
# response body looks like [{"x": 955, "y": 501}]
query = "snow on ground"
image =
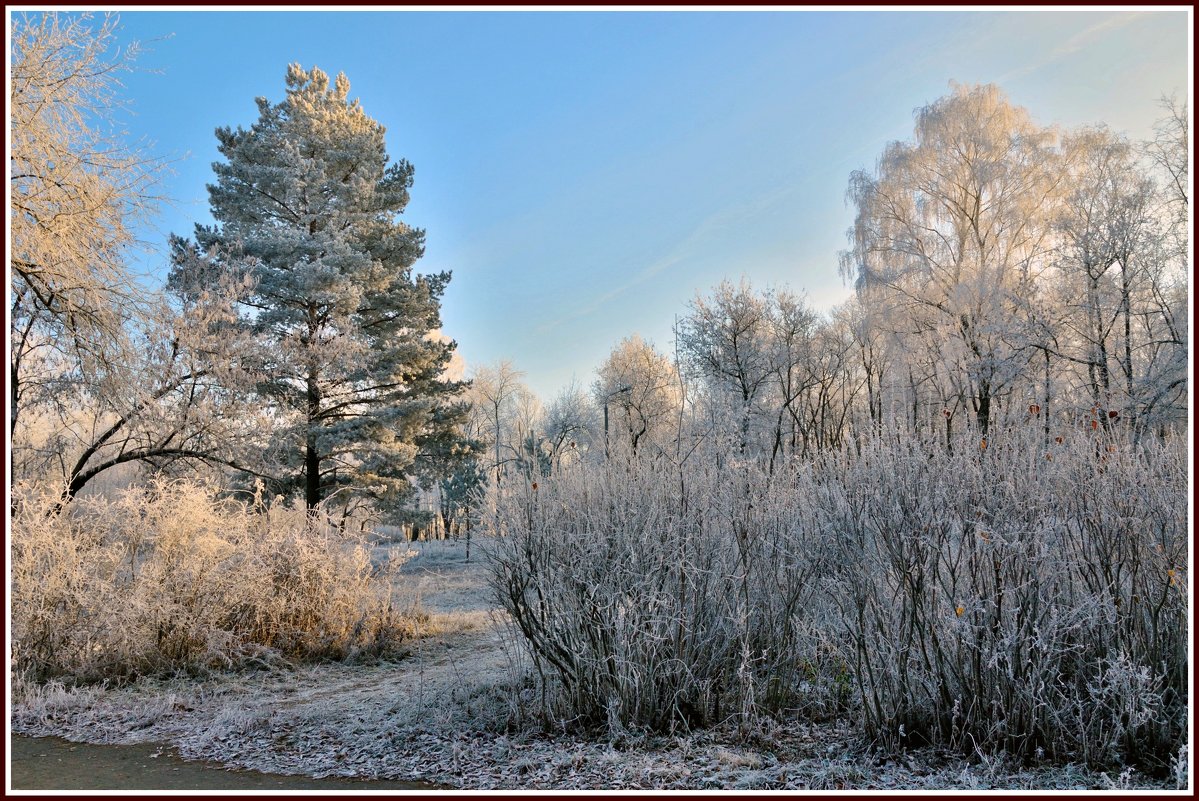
[{"x": 445, "y": 714}]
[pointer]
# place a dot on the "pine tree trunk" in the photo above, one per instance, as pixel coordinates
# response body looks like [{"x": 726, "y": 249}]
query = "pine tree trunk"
[{"x": 312, "y": 457}]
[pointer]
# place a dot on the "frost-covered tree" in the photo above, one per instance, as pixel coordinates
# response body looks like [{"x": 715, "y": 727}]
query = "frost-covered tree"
[
  {"x": 951, "y": 231},
  {"x": 107, "y": 375},
  {"x": 495, "y": 395},
  {"x": 77, "y": 188},
  {"x": 1166, "y": 384},
  {"x": 1105, "y": 231},
  {"x": 1012, "y": 271},
  {"x": 174, "y": 405},
  {"x": 640, "y": 389},
  {"x": 1169, "y": 151},
  {"x": 570, "y": 424},
  {"x": 306, "y": 205},
  {"x": 726, "y": 339},
  {"x": 780, "y": 378},
  {"x": 793, "y": 326}
]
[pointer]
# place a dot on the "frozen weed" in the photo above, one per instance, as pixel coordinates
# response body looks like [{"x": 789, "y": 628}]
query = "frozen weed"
[
  {"x": 738, "y": 759},
  {"x": 171, "y": 577},
  {"x": 1179, "y": 769}
]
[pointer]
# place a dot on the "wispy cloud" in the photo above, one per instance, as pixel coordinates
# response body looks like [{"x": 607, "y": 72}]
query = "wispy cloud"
[
  {"x": 1076, "y": 42},
  {"x": 687, "y": 249}
]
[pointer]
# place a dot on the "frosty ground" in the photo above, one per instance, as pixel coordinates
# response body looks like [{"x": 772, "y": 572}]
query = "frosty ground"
[{"x": 456, "y": 711}]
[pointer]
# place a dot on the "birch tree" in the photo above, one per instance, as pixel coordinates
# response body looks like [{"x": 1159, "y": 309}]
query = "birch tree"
[
  {"x": 1166, "y": 350},
  {"x": 1103, "y": 225},
  {"x": 1169, "y": 151},
  {"x": 950, "y": 227}
]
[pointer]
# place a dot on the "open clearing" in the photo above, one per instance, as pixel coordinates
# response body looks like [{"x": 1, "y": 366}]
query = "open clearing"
[{"x": 448, "y": 713}]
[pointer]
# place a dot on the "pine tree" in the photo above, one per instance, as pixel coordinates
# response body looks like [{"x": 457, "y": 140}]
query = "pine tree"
[{"x": 306, "y": 208}]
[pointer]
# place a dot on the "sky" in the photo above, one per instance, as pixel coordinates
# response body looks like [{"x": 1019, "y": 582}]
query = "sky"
[{"x": 585, "y": 174}]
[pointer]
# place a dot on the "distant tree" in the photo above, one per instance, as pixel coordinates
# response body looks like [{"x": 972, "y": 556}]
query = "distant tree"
[
  {"x": 640, "y": 388},
  {"x": 533, "y": 454},
  {"x": 1106, "y": 232},
  {"x": 460, "y": 496},
  {"x": 1166, "y": 390},
  {"x": 836, "y": 383},
  {"x": 813, "y": 376},
  {"x": 495, "y": 392},
  {"x": 727, "y": 340},
  {"x": 1169, "y": 150},
  {"x": 306, "y": 205},
  {"x": 570, "y": 425}
]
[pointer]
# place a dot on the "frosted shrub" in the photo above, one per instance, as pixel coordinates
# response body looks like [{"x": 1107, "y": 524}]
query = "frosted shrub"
[
  {"x": 1020, "y": 597},
  {"x": 1023, "y": 597},
  {"x": 170, "y": 577},
  {"x": 656, "y": 597}
]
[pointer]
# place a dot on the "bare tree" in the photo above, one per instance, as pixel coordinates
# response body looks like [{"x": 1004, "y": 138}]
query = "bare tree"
[
  {"x": 494, "y": 390},
  {"x": 1104, "y": 225},
  {"x": 727, "y": 339},
  {"x": 178, "y": 400},
  {"x": 77, "y": 186},
  {"x": 105, "y": 372},
  {"x": 1170, "y": 150},
  {"x": 570, "y": 425}
]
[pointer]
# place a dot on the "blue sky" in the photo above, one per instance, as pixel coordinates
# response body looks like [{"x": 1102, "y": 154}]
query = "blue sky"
[{"x": 584, "y": 174}]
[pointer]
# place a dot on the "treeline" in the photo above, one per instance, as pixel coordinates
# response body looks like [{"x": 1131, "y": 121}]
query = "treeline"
[{"x": 1005, "y": 273}]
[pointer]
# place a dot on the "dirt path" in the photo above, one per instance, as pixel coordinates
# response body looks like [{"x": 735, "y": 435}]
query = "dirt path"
[{"x": 389, "y": 720}]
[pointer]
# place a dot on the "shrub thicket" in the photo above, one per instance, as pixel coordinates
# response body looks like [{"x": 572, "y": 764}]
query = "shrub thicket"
[
  {"x": 660, "y": 598},
  {"x": 1021, "y": 596}
]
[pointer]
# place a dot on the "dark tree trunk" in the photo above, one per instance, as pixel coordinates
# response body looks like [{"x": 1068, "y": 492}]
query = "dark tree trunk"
[
  {"x": 983, "y": 410},
  {"x": 312, "y": 456},
  {"x": 1046, "y": 401}
]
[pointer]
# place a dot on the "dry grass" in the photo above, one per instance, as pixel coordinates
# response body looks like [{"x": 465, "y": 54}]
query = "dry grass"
[
  {"x": 376, "y": 722},
  {"x": 172, "y": 577}
]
